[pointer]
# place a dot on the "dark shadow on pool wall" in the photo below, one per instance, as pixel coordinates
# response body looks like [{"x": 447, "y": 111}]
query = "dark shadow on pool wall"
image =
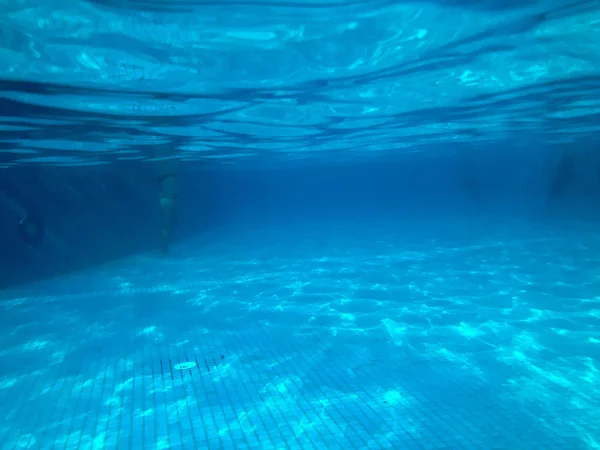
[
  {"x": 575, "y": 182},
  {"x": 89, "y": 216},
  {"x": 93, "y": 215},
  {"x": 498, "y": 180}
]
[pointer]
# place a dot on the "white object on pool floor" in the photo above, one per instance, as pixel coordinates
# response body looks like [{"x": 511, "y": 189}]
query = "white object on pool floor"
[{"x": 185, "y": 365}]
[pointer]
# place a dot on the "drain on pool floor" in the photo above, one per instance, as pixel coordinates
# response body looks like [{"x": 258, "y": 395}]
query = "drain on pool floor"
[{"x": 185, "y": 367}]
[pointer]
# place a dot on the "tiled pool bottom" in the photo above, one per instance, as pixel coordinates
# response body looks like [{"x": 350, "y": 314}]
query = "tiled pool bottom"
[
  {"x": 263, "y": 389},
  {"x": 482, "y": 346},
  {"x": 269, "y": 387}
]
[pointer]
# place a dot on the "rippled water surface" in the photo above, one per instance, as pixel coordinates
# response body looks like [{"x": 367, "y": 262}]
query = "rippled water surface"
[{"x": 99, "y": 81}]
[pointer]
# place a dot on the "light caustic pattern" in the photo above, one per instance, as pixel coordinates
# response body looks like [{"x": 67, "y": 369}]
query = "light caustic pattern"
[
  {"x": 99, "y": 81},
  {"x": 385, "y": 343}
]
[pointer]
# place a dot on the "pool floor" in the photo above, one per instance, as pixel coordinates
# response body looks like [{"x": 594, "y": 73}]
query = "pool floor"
[{"x": 393, "y": 341}]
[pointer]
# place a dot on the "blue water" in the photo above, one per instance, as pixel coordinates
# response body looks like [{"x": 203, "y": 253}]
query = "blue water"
[
  {"x": 242, "y": 81},
  {"x": 379, "y": 246},
  {"x": 387, "y": 341}
]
